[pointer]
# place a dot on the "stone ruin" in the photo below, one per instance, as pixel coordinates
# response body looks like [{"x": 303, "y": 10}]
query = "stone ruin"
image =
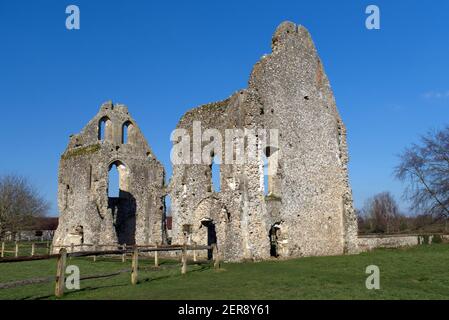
[
  {"x": 87, "y": 214},
  {"x": 301, "y": 208}
]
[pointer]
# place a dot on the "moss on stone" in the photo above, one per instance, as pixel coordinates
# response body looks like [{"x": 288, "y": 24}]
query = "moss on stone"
[
  {"x": 81, "y": 151},
  {"x": 272, "y": 197}
]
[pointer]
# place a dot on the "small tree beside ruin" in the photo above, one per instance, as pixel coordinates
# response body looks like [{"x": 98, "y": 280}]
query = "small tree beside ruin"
[
  {"x": 425, "y": 169},
  {"x": 381, "y": 214},
  {"x": 20, "y": 203}
]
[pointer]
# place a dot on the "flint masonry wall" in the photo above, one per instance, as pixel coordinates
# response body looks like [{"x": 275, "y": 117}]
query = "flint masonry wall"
[
  {"x": 87, "y": 214},
  {"x": 304, "y": 209},
  {"x": 308, "y": 209},
  {"x": 370, "y": 242}
]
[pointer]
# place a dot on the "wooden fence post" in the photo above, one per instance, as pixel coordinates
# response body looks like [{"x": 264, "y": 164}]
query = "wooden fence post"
[
  {"x": 16, "y": 253},
  {"x": 124, "y": 253},
  {"x": 60, "y": 273},
  {"x": 156, "y": 258},
  {"x": 3, "y": 250},
  {"x": 184, "y": 260},
  {"x": 216, "y": 256},
  {"x": 32, "y": 249},
  {"x": 135, "y": 266},
  {"x": 95, "y": 249}
]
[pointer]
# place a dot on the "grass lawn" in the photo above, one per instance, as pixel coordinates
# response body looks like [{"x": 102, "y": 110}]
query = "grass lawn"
[
  {"x": 25, "y": 248},
  {"x": 414, "y": 273}
]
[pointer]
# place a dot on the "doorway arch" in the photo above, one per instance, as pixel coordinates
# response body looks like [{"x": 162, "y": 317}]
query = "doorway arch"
[
  {"x": 274, "y": 239},
  {"x": 211, "y": 234},
  {"x": 122, "y": 203}
]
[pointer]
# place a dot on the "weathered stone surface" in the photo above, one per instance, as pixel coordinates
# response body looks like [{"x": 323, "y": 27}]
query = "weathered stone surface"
[
  {"x": 369, "y": 243},
  {"x": 87, "y": 214},
  {"x": 308, "y": 210}
]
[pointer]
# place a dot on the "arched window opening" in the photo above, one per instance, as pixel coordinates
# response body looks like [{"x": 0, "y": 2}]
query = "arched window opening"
[
  {"x": 105, "y": 129},
  {"x": 66, "y": 196},
  {"x": 265, "y": 175},
  {"x": 101, "y": 129},
  {"x": 168, "y": 210},
  {"x": 270, "y": 171},
  {"x": 216, "y": 175},
  {"x": 79, "y": 231},
  {"x": 127, "y": 132}
]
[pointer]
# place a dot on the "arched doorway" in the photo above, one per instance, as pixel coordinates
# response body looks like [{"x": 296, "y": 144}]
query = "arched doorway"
[
  {"x": 211, "y": 234},
  {"x": 122, "y": 202},
  {"x": 209, "y": 224},
  {"x": 274, "y": 240}
]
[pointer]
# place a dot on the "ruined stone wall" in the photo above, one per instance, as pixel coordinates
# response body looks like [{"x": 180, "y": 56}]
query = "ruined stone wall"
[
  {"x": 87, "y": 214},
  {"x": 370, "y": 242},
  {"x": 309, "y": 201},
  {"x": 373, "y": 242},
  {"x": 236, "y": 212},
  {"x": 316, "y": 201},
  {"x": 305, "y": 209}
]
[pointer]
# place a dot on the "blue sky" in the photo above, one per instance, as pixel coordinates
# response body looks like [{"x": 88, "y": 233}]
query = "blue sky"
[{"x": 163, "y": 58}]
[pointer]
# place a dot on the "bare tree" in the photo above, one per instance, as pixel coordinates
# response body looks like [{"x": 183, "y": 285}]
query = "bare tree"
[
  {"x": 20, "y": 203},
  {"x": 381, "y": 214},
  {"x": 425, "y": 167}
]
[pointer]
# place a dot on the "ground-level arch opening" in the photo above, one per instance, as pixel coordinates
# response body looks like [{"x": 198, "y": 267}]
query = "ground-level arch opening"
[
  {"x": 168, "y": 219},
  {"x": 211, "y": 234},
  {"x": 122, "y": 203},
  {"x": 274, "y": 240}
]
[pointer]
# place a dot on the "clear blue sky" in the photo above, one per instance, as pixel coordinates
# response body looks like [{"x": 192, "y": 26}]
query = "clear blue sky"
[{"x": 163, "y": 58}]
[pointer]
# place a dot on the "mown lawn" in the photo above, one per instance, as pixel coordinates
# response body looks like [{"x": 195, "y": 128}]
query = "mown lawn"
[
  {"x": 25, "y": 248},
  {"x": 414, "y": 273}
]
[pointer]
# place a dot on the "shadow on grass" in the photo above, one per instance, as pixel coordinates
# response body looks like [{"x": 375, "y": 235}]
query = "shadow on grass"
[
  {"x": 68, "y": 293},
  {"x": 90, "y": 288}
]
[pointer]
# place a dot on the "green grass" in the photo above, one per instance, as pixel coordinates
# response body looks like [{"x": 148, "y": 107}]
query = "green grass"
[
  {"x": 25, "y": 248},
  {"x": 415, "y": 273}
]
